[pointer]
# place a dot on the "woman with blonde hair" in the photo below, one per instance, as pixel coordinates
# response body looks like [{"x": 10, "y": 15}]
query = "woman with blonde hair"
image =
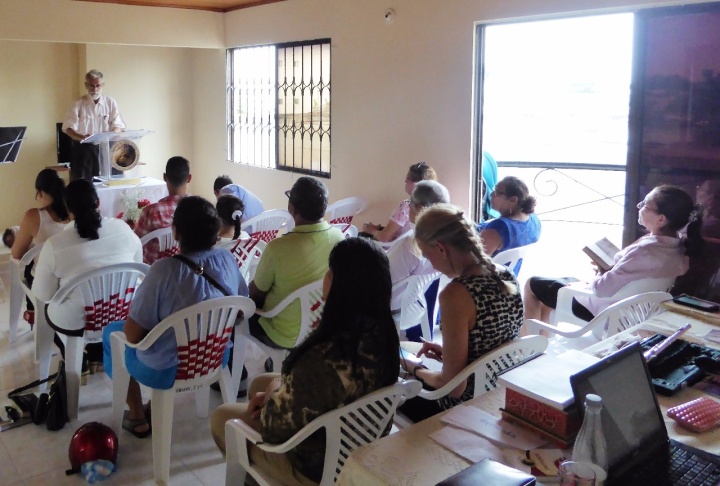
[
  {"x": 399, "y": 222},
  {"x": 481, "y": 308}
]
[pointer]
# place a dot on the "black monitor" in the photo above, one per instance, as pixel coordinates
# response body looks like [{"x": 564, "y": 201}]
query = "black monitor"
[{"x": 64, "y": 145}]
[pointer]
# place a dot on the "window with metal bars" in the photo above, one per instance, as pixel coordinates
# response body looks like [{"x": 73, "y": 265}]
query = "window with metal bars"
[{"x": 278, "y": 106}]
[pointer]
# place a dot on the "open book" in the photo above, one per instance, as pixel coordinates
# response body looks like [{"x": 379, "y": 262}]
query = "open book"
[{"x": 602, "y": 252}]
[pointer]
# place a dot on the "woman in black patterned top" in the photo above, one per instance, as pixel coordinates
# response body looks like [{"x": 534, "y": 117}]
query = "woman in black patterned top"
[
  {"x": 353, "y": 352},
  {"x": 481, "y": 308}
]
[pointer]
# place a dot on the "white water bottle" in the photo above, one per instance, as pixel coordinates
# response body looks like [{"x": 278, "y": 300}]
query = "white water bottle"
[{"x": 590, "y": 446}]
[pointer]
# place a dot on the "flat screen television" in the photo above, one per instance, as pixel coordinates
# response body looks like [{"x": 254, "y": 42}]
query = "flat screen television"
[{"x": 64, "y": 145}]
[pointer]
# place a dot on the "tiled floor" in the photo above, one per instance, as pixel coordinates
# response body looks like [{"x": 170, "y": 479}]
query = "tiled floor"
[{"x": 32, "y": 455}]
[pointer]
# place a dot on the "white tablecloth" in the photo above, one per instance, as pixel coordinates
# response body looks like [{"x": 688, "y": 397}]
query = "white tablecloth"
[{"x": 110, "y": 203}]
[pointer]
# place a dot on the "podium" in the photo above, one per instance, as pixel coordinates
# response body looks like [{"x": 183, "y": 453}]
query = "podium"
[{"x": 105, "y": 161}]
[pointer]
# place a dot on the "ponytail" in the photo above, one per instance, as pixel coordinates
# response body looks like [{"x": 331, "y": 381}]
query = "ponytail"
[
  {"x": 694, "y": 242},
  {"x": 82, "y": 201}
]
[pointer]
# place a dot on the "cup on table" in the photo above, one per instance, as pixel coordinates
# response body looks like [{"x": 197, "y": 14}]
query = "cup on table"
[{"x": 576, "y": 474}]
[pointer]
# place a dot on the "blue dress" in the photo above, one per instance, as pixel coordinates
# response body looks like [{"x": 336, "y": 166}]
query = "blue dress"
[{"x": 514, "y": 233}]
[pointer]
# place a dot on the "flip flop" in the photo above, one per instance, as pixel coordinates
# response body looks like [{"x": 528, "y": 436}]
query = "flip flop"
[{"x": 131, "y": 425}]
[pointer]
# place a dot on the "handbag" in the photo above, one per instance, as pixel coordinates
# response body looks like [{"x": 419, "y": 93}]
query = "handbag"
[{"x": 49, "y": 408}]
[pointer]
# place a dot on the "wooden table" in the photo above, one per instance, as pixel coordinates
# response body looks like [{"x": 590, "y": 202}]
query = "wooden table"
[{"x": 410, "y": 457}]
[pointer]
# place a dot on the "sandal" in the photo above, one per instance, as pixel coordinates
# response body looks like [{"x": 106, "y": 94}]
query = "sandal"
[{"x": 131, "y": 426}]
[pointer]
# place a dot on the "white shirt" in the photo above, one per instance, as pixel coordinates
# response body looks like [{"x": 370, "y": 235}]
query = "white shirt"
[
  {"x": 66, "y": 254},
  {"x": 405, "y": 261},
  {"x": 88, "y": 117}
]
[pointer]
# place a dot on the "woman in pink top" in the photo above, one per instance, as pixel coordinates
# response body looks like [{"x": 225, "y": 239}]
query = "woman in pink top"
[
  {"x": 660, "y": 254},
  {"x": 400, "y": 219},
  {"x": 40, "y": 224}
]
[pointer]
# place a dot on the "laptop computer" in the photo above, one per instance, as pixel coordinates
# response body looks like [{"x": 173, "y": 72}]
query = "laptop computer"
[{"x": 639, "y": 449}]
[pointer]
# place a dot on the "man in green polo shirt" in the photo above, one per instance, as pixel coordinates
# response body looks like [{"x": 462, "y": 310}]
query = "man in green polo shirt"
[{"x": 294, "y": 260}]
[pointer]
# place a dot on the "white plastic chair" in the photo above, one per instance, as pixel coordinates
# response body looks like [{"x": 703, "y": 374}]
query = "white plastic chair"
[
  {"x": 413, "y": 306},
  {"x": 350, "y": 231},
  {"x": 266, "y": 225},
  {"x": 18, "y": 287},
  {"x": 311, "y": 307},
  {"x": 388, "y": 245},
  {"x": 486, "y": 369},
  {"x": 343, "y": 211},
  {"x": 167, "y": 246},
  {"x": 622, "y": 315},
  {"x": 563, "y": 309},
  {"x": 346, "y": 429},
  {"x": 247, "y": 254},
  {"x": 513, "y": 258},
  {"x": 106, "y": 294},
  {"x": 202, "y": 332}
]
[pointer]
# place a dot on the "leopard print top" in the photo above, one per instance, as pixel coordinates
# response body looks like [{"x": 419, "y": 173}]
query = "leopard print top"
[{"x": 498, "y": 320}]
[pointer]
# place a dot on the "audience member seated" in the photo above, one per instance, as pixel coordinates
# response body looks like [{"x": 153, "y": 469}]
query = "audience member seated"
[
  {"x": 228, "y": 207},
  {"x": 518, "y": 225},
  {"x": 95, "y": 242},
  {"x": 660, "y": 254},
  {"x": 400, "y": 220},
  {"x": 405, "y": 260},
  {"x": 481, "y": 308},
  {"x": 40, "y": 224},
  {"x": 172, "y": 285},
  {"x": 294, "y": 260},
  {"x": 353, "y": 352},
  {"x": 253, "y": 205},
  {"x": 160, "y": 214},
  {"x": 489, "y": 179}
]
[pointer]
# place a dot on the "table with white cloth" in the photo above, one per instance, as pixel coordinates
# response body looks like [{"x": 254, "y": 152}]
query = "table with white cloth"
[
  {"x": 111, "y": 195},
  {"x": 410, "y": 457}
]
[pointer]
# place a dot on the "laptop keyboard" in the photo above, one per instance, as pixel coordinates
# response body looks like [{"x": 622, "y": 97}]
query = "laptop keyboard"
[{"x": 688, "y": 469}]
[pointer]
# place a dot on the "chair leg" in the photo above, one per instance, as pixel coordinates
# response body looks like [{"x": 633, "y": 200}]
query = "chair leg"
[
  {"x": 43, "y": 346},
  {"x": 234, "y": 446},
  {"x": 73, "y": 368},
  {"x": 202, "y": 400},
  {"x": 121, "y": 381},
  {"x": 425, "y": 327},
  {"x": 226, "y": 386},
  {"x": 239, "y": 351},
  {"x": 16, "y": 296},
  {"x": 162, "y": 421}
]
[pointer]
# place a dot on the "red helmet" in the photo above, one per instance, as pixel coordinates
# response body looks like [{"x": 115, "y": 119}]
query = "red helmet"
[{"x": 92, "y": 442}]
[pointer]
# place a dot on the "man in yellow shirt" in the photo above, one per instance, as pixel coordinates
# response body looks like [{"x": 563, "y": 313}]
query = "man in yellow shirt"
[{"x": 294, "y": 260}]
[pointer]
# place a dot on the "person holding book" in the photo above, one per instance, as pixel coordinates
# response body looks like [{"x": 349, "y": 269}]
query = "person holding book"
[
  {"x": 662, "y": 253},
  {"x": 481, "y": 308},
  {"x": 518, "y": 225}
]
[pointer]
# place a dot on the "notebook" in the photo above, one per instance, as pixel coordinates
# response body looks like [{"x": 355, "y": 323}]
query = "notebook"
[{"x": 639, "y": 449}]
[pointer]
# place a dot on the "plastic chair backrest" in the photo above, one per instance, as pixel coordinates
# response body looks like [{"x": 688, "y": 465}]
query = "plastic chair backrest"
[
  {"x": 349, "y": 230},
  {"x": 311, "y": 307},
  {"x": 106, "y": 293},
  {"x": 388, "y": 245},
  {"x": 202, "y": 332},
  {"x": 266, "y": 225},
  {"x": 167, "y": 246},
  {"x": 513, "y": 258},
  {"x": 344, "y": 210},
  {"x": 413, "y": 307},
  {"x": 645, "y": 285},
  {"x": 487, "y": 367},
  {"x": 629, "y": 312},
  {"x": 247, "y": 254}
]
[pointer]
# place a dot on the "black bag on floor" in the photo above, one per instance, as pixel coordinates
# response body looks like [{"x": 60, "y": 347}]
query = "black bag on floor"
[{"x": 49, "y": 408}]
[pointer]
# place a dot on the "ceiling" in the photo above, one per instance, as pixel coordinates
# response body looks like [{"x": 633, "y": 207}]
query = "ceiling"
[{"x": 212, "y": 5}]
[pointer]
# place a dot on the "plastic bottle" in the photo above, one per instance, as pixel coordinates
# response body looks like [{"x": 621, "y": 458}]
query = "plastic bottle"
[{"x": 590, "y": 446}]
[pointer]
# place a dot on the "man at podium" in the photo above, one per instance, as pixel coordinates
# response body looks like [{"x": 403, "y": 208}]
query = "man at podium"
[{"x": 91, "y": 114}]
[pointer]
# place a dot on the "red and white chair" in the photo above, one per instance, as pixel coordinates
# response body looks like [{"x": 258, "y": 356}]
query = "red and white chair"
[
  {"x": 350, "y": 231},
  {"x": 343, "y": 211},
  {"x": 266, "y": 225},
  {"x": 202, "y": 332},
  {"x": 311, "y": 307},
  {"x": 106, "y": 294},
  {"x": 346, "y": 429},
  {"x": 167, "y": 245},
  {"x": 247, "y": 253}
]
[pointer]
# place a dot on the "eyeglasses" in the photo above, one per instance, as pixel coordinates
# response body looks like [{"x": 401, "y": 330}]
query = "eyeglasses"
[
  {"x": 287, "y": 193},
  {"x": 495, "y": 192},
  {"x": 644, "y": 204},
  {"x": 90, "y": 85}
]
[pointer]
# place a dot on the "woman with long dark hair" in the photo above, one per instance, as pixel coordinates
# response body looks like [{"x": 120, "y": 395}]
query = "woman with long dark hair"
[
  {"x": 230, "y": 211},
  {"x": 41, "y": 223},
  {"x": 353, "y": 352}
]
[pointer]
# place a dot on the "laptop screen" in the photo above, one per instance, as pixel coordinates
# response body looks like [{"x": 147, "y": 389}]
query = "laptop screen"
[{"x": 631, "y": 418}]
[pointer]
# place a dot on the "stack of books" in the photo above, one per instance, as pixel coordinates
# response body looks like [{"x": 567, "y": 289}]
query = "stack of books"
[{"x": 538, "y": 396}]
